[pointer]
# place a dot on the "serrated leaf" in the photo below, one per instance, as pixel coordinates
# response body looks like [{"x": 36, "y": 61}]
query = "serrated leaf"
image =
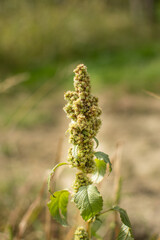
[
  {"x": 89, "y": 201},
  {"x": 75, "y": 151},
  {"x": 123, "y": 215},
  {"x": 97, "y": 142},
  {"x": 100, "y": 170},
  {"x": 125, "y": 233},
  {"x": 52, "y": 173},
  {"x": 105, "y": 157},
  {"x": 58, "y": 206}
]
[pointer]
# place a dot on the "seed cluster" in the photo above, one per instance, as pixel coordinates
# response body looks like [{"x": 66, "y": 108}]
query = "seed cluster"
[
  {"x": 81, "y": 180},
  {"x": 84, "y": 112},
  {"x": 80, "y": 234}
]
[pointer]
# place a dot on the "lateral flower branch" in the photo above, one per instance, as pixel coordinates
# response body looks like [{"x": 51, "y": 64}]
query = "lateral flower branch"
[{"x": 83, "y": 110}]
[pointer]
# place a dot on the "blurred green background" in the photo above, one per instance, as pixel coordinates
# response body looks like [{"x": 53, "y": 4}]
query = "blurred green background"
[
  {"x": 41, "y": 42},
  {"x": 118, "y": 40}
]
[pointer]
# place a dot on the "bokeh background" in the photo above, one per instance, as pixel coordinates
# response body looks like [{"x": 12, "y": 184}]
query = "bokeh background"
[{"x": 41, "y": 42}]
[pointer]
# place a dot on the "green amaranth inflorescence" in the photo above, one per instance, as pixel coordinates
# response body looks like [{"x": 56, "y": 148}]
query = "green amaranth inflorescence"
[
  {"x": 81, "y": 180},
  {"x": 82, "y": 108},
  {"x": 80, "y": 234},
  {"x": 84, "y": 112}
]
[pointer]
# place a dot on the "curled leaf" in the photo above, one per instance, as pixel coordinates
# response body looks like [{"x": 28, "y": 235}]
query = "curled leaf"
[
  {"x": 126, "y": 228},
  {"x": 97, "y": 142},
  {"x": 100, "y": 170},
  {"x": 125, "y": 233},
  {"x": 105, "y": 157},
  {"x": 58, "y": 206},
  {"x": 75, "y": 151}
]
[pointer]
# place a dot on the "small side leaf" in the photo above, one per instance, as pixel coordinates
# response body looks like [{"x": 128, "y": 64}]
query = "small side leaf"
[
  {"x": 125, "y": 233},
  {"x": 58, "y": 206},
  {"x": 89, "y": 201},
  {"x": 52, "y": 174},
  {"x": 97, "y": 142},
  {"x": 105, "y": 157},
  {"x": 123, "y": 215},
  {"x": 100, "y": 170},
  {"x": 75, "y": 151}
]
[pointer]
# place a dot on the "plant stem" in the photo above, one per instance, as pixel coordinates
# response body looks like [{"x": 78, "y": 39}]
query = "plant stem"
[
  {"x": 89, "y": 230},
  {"x": 105, "y": 211}
]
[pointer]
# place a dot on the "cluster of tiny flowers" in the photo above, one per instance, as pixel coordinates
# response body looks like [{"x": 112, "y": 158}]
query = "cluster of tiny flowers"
[
  {"x": 81, "y": 180},
  {"x": 80, "y": 234},
  {"x": 84, "y": 112}
]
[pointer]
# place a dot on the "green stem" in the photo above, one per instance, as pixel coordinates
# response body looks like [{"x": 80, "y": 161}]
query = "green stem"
[
  {"x": 52, "y": 174},
  {"x": 89, "y": 230},
  {"x": 105, "y": 211}
]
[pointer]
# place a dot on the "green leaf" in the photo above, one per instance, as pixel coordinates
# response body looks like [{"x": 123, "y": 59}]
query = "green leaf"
[
  {"x": 74, "y": 151},
  {"x": 58, "y": 206},
  {"x": 52, "y": 174},
  {"x": 123, "y": 215},
  {"x": 89, "y": 201},
  {"x": 97, "y": 142},
  {"x": 95, "y": 226},
  {"x": 125, "y": 233},
  {"x": 105, "y": 157},
  {"x": 100, "y": 170}
]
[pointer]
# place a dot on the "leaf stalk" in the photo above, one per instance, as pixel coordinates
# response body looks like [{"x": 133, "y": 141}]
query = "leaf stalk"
[{"x": 89, "y": 229}]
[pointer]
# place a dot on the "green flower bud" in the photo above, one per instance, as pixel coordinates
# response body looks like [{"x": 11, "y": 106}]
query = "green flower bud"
[
  {"x": 81, "y": 180},
  {"x": 80, "y": 234}
]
